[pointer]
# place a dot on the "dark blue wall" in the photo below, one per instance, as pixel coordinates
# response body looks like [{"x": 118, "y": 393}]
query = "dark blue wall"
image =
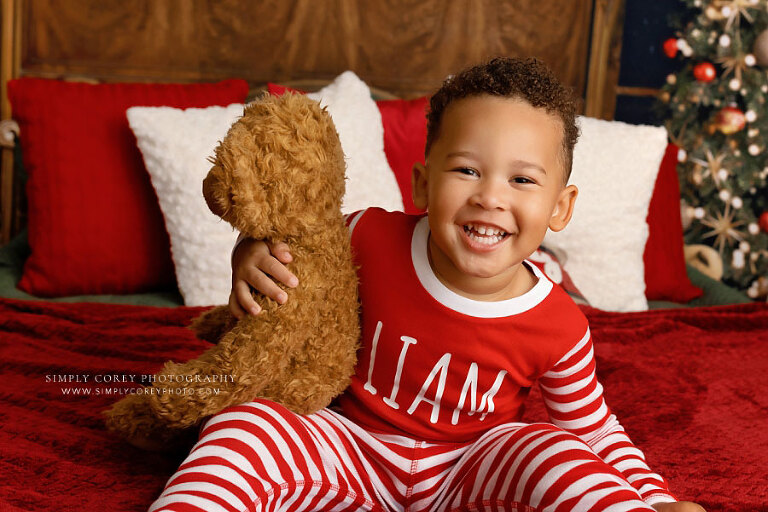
[{"x": 647, "y": 24}]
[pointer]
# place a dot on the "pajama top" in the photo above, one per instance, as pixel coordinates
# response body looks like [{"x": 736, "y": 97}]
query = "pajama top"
[{"x": 437, "y": 366}]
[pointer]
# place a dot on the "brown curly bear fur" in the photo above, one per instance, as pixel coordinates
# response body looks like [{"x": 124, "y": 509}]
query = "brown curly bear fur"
[{"x": 278, "y": 175}]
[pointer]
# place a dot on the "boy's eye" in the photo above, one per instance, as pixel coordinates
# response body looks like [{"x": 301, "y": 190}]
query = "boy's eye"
[
  {"x": 467, "y": 170},
  {"x": 522, "y": 179}
]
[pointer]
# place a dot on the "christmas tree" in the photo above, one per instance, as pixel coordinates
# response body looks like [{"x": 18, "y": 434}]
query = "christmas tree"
[{"x": 717, "y": 115}]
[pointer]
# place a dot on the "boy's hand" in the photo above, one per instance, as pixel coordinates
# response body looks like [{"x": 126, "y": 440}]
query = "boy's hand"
[
  {"x": 678, "y": 506},
  {"x": 258, "y": 264}
]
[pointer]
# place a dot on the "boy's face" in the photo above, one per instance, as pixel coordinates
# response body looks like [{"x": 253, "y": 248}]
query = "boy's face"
[{"x": 493, "y": 184}]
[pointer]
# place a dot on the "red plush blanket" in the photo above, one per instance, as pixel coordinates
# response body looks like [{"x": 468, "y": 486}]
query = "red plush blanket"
[{"x": 689, "y": 386}]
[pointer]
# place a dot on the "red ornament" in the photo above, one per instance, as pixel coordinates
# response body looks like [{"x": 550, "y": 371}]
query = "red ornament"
[
  {"x": 704, "y": 72},
  {"x": 730, "y": 120},
  {"x": 670, "y": 47},
  {"x": 763, "y": 221}
]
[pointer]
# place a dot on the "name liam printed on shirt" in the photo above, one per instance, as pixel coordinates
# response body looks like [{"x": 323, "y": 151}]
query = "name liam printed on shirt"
[{"x": 440, "y": 370}]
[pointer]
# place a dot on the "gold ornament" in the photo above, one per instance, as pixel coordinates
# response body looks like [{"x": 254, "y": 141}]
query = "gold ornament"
[
  {"x": 760, "y": 48},
  {"x": 734, "y": 10},
  {"x": 723, "y": 229},
  {"x": 704, "y": 259},
  {"x": 735, "y": 64},
  {"x": 713, "y": 13},
  {"x": 710, "y": 167},
  {"x": 730, "y": 120}
]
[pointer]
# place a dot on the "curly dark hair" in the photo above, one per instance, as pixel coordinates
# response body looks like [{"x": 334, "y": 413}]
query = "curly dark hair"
[{"x": 528, "y": 79}]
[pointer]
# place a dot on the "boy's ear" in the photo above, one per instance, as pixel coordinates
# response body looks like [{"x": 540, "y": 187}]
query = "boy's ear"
[
  {"x": 563, "y": 211},
  {"x": 419, "y": 186}
]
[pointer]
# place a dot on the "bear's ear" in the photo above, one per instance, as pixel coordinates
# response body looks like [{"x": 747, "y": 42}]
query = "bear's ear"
[{"x": 217, "y": 199}]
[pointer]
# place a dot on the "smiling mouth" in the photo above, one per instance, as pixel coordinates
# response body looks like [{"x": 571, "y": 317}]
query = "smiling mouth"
[{"x": 485, "y": 235}]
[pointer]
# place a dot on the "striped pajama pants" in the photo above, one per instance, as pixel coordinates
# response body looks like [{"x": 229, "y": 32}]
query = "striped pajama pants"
[{"x": 260, "y": 456}]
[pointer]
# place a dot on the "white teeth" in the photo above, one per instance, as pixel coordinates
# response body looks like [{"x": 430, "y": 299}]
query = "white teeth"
[
  {"x": 487, "y": 231},
  {"x": 487, "y": 240}
]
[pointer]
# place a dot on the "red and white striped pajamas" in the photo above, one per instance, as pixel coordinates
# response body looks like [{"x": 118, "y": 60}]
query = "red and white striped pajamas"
[
  {"x": 431, "y": 418},
  {"x": 259, "y": 456}
]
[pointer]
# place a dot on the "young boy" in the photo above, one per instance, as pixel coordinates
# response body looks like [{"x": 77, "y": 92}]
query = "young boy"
[{"x": 456, "y": 328}]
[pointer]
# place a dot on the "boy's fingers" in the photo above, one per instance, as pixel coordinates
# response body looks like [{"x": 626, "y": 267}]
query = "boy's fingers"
[
  {"x": 244, "y": 299},
  {"x": 280, "y": 251},
  {"x": 234, "y": 307},
  {"x": 278, "y": 271},
  {"x": 263, "y": 284}
]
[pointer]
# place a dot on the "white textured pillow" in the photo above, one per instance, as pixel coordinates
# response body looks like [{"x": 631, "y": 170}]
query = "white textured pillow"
[
  {"x": 176, "y": 145},
  {"x": 614, "y": 166},
  {"x": 370, "y": 181}
]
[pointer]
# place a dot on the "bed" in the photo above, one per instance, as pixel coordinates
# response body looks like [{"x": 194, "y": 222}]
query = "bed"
[{"x": 682, "y": 357}]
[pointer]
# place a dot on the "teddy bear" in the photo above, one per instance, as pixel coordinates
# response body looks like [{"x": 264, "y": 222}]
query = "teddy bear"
[{"x": 278, "y": 175}]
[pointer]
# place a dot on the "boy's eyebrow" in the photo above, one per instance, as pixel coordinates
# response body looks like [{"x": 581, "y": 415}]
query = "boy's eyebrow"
[
  {"x": 524, "y": 164},
  {"x": 517, "y": 164},
  {"x": 460, "y": 153}
]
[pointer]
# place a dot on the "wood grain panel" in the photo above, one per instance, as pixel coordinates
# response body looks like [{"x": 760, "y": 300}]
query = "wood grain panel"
[
  {"x": 406, "y": 46},
  {"x": 605, "y": 56}
]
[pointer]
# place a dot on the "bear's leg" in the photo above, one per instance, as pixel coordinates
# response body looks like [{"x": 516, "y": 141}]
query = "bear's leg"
[
  {"x": 213, "y": 324},
  {"x": 236, "y": 370},
  {"x": 133, "y": 420}
]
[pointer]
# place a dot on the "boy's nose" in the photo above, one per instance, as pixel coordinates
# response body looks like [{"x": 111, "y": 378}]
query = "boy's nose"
[{"x": 489, "y": 196}]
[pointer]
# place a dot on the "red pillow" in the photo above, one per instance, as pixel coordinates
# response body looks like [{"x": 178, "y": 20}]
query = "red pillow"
[
  {"x": 405, "y": 135},
  {"x": 95, "y": 226},
  {"x": 277, "y": 89},
  {"x": 665, "y": 274}
]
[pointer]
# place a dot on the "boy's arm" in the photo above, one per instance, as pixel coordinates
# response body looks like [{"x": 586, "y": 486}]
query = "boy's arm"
[
  {"x": 574, "y": 400},
  {"x": 257, "y": 264}
]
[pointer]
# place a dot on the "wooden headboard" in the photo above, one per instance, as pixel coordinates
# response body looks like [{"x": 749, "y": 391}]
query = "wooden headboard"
[{"x": 406, "y": 47}]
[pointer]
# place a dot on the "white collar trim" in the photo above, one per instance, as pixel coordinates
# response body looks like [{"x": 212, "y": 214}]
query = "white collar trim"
[{"x": 461, "y": 304}]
